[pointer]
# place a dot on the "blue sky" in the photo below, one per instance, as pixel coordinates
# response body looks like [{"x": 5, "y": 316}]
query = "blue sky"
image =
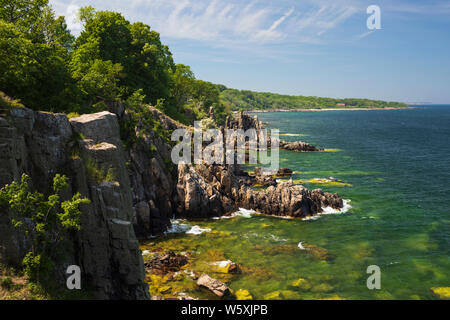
[{"x": 303, "y": 47}]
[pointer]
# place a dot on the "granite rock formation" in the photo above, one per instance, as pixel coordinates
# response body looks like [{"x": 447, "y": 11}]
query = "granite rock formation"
[{"x": 42, "y": 144}]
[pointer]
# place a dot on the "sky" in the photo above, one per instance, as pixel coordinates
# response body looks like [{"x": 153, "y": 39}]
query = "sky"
[{"x": 302, "y": 47}]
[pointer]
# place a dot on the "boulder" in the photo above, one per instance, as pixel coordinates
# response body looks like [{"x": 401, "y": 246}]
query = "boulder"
[
  {"x": 215, "y": 286},
  {"x": 284, "y": 172}
]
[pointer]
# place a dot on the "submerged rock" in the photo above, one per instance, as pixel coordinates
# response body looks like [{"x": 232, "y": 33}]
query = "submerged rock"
[
  {"x": 283, "y": 172},
  {"x": 442, "y": 293},
  {"x": 317, "y": 252},
  {"x": 243, "y": 295},
  {"x": 299, "y": 146},
  {"x": 165, "y": 263},
  {"x": 301, "y": 284},
  {"x": 227, "y": 267},
  {"x": 276, "y": 295},
  {"x": 215, "y": 286}
]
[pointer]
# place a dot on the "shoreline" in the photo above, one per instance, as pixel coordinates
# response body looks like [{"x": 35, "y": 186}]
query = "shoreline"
[{"x": 327, "y": 109}]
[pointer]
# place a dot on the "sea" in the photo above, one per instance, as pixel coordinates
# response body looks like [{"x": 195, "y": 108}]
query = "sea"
[{"x": 391, "y": 167}]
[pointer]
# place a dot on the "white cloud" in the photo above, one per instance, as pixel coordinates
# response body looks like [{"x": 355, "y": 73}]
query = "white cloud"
[
  {"x": 72, "y": 18},
  {"x": 225, "y": 22},
  {"x": 363, "y": 35}
]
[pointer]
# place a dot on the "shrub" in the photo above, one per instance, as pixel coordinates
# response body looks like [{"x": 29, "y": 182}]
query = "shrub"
[
  {"x": 99, "y": 173},
  {"x": 44, "y": 222}
]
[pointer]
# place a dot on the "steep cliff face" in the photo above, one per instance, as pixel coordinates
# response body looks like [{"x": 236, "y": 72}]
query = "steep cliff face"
[
  {"x": 153, "y": 178},
  {"x": 89, "y": 151}
]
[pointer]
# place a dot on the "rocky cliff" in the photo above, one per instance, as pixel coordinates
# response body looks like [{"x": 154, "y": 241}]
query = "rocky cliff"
[
  {"x": 134, "y": 191},
  {"x": 89, "y": 151}
]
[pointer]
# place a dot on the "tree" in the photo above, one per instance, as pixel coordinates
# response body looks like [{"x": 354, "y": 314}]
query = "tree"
[
  {"x": 151, "y": 64},
  {"x": 108, "y": 36},
  {"x": 36, "y": 73},
  {"x": 183, "y": 81},
  {"x": 23, "y": 13},
  {"x": 101, "y": 80}
]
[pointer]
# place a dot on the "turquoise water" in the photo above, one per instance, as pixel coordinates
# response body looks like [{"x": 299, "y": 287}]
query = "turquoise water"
[{"x": 396, "y": 162}]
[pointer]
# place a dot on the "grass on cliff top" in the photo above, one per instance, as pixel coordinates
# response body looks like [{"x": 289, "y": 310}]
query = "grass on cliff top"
[{"x": 7, "y": 103}]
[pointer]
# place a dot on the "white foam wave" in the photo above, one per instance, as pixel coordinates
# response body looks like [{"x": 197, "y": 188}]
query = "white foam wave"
[
  {"x": 300, "y": 246},
  {"x": 245, "y": 213},
  {"x": 222, "y": 264},
  {"x": 330, "y": 210},
  {"x": 197, "y": 230},
  {"x": 178, "y": 227}
]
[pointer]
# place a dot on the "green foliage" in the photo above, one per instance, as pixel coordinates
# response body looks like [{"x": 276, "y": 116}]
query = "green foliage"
[
  {"x": 44, "y": 222},
  {"x": 100, "y": 80},
  {"x": 34, "y": 72},
  {"x": 26, "y": 14},
  {"x": 250, "y": 100},
  {"x": 6, "y": 103},
  {"x": 141, "y": 123},
  {"x": 98, "y": 173},
  {"x": 6, "y": 283},
  {"x": 128, "y": 57},
  {"x": 195, "y": 96},
  {"x": 48, "y": 69}
]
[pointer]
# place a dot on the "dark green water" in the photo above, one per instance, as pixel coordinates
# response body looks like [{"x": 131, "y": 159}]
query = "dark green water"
[{"x": 397, "y": 164}]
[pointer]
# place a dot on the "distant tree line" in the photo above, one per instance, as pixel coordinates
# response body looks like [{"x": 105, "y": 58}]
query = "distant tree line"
[{"x": 250, "y": 100}]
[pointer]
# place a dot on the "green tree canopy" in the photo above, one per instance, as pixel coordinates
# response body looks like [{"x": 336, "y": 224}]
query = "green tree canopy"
[{"x": 108, "y": 36}]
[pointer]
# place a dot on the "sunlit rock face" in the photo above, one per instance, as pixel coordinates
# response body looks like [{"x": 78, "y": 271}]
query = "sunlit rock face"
[{"x": 89, "y": 151}]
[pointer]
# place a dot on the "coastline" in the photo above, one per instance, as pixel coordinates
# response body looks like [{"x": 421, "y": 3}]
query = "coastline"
[{"x": 327, "y": 109}]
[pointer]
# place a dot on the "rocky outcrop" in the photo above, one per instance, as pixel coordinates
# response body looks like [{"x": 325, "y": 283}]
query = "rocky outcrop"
[
  {"x": 284, "y": 172},
  {"x": 298, "y": 146},
  {"x": 89, "y": 151},
  {"x": 204, "y": 191},
  {"x": 214, "y": 190},
  {"x": 245, "y": 122}
]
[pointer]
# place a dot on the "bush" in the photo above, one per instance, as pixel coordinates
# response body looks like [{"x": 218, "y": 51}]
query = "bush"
[
  {"x": 44, "y": 222},
  {"x": 6, "y": 283},
  {"x": 98, "y": 173}
]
